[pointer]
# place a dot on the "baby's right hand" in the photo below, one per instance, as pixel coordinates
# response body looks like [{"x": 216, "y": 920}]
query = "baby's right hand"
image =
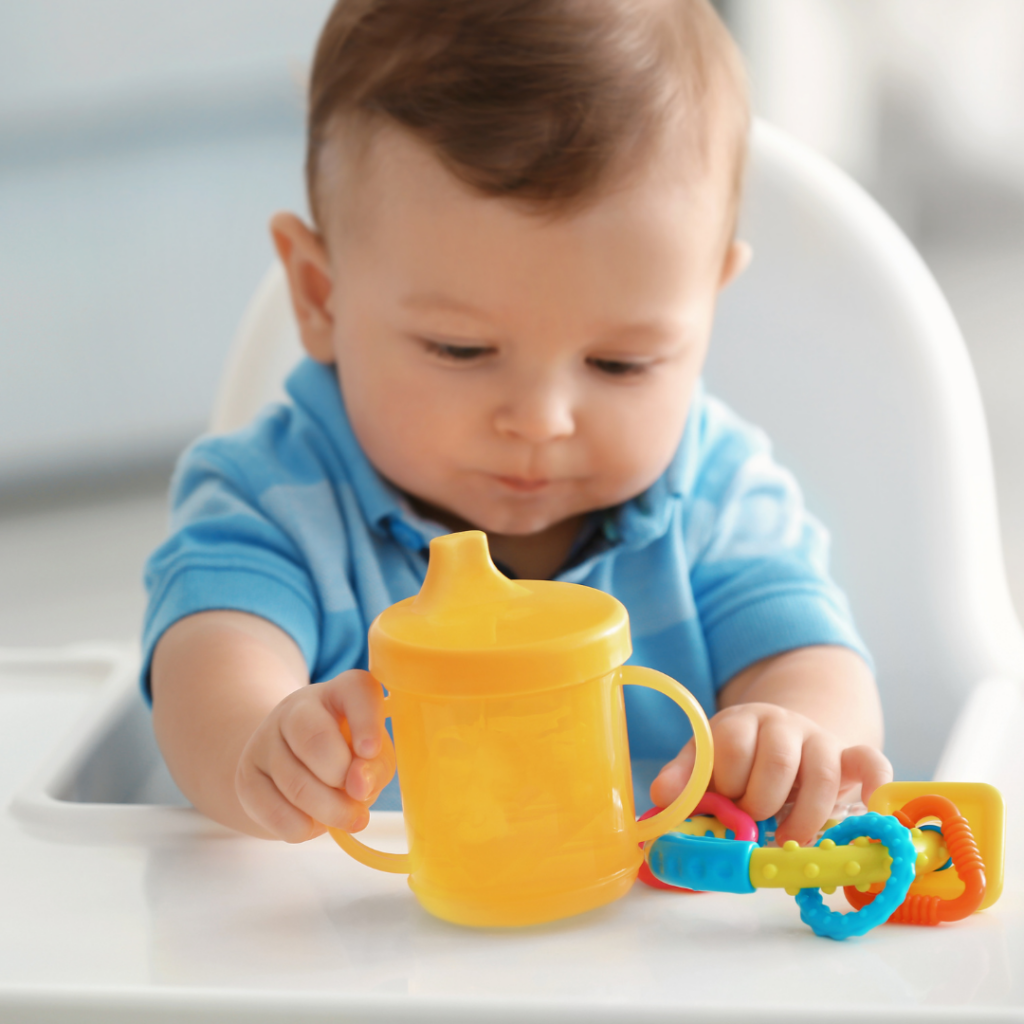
[{"x": 297, "y": 774}]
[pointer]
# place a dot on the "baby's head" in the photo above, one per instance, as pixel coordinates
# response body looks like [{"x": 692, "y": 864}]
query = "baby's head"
[{"x": 524, "y": 212}]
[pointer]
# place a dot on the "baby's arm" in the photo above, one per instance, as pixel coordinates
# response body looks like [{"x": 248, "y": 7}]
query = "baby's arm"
[
  {"x": 805, "y": 725},
  {"x": 253, "y": 745}
]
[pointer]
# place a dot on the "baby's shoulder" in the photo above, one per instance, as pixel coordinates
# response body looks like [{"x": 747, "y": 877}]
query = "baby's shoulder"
[
  {"x": 281, "y": 447},
  {"x": 273, "y": 486}
]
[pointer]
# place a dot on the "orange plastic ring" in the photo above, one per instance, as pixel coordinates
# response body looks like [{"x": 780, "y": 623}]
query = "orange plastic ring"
[{"x": 967, "y": 861}]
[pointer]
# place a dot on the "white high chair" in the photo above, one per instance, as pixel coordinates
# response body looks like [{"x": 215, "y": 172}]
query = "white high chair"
[{"x": 839, "y": 343}]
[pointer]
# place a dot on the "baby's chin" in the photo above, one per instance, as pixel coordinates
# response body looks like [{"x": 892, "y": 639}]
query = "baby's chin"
[
  {"x": 520, "y": 517},
  {"x": 516, "y": 522},
  {"x": 501, "y": 523}
]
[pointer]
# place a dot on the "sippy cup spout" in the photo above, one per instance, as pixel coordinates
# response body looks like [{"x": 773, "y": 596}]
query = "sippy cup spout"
[
  {"x": 472, "y": 630},
  {"x": 461, "y": 574}
]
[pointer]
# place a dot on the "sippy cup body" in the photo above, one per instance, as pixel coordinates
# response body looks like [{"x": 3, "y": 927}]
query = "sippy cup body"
[
  {"x": 510, "y": 736},
  {"x": 518, "y": 809}
]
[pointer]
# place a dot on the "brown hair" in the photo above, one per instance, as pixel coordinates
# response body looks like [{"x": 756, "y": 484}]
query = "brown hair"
[{"x": 535, "y": 100}]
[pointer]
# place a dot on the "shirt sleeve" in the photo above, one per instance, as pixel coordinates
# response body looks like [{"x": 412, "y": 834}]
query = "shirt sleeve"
[
  {"x": 227, "y": 550},
  {"x": 758, "y": 558}
]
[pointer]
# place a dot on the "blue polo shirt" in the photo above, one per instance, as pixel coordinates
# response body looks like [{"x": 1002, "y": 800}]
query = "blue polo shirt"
[{"x": 718, "y": 563}]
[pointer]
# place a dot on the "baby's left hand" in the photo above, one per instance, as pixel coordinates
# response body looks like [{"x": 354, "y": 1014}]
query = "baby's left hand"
[{"x": 767, "y": 755}]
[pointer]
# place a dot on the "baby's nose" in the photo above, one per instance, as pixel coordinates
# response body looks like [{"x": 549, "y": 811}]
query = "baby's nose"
[{"x": 537, "y": 415}]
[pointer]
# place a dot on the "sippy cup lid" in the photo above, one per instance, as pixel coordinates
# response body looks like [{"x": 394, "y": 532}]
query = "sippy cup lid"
[{"x": 472, "y": 631}]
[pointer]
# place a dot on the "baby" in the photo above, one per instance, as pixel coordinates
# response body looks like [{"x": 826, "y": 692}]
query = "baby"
[{"x": 523, "y": 212}]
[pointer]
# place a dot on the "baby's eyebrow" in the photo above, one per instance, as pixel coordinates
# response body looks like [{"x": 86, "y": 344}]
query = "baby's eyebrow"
[
  {"x": 443, "y": 303},
  {"x": 656, "y": 331}
]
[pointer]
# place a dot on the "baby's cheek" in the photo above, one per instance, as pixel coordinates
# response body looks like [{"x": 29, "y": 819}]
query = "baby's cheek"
[{"x": 634, "y": 449}]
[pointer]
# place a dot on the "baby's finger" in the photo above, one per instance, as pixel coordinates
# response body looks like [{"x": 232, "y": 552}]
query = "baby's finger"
[
  {"x": 303, "y": 790},
  {"x": 366, "y": 778},
  {"x": 359, "y": 698},
  {"x": 311, "y": 731},
  {"x": 776, "y": 763},
  {"x": 866, "y": 765},
  {"x": 735, "y": 737},
  {"x": 263, "y": 802},
  {"x": 673, "y": 777},
  {"x": 819, "y": 786}
]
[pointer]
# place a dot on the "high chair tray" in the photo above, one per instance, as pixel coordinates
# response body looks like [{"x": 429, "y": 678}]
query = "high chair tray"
[
  {"x": 142, "y": 911},
  {"x": 104, "y": 781}
]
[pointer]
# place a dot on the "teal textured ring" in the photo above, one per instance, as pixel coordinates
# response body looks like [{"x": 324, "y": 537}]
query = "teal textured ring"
[{"x": 891, "y": 834}]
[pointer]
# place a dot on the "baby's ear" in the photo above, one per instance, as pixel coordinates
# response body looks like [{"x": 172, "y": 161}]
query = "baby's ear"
[
  {"x": 309, "y": 280},
  {"x": 737, "y": 259}
]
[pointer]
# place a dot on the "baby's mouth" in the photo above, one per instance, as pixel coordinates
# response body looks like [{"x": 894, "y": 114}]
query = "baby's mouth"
[{"x": 523, "y": 485}]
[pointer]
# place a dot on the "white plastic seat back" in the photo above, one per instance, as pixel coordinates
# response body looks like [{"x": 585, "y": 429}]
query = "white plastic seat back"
[
  {"x": 838, "y": 342},
  {"x": 265, "y": 349}
]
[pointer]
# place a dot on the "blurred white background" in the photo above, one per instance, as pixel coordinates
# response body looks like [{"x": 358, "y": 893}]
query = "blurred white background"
[
  {"x": 144, "y": 145},
  {"x": 142, "y": 148},
  {"x": 922, "y": 101}
]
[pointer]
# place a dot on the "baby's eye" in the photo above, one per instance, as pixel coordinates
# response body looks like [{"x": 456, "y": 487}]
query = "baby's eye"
[
  {"x": 617, "y": 367},
  {"x": 456, "y": 353}
]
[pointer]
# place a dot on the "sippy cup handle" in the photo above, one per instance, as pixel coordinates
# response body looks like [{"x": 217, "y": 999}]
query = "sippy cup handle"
[
  {"x": 396, "y": 863},
  {"x": 682, "y": 807}
]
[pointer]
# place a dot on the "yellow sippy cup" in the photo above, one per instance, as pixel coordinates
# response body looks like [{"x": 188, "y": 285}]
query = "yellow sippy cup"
[{"x": 506, "y": 701}]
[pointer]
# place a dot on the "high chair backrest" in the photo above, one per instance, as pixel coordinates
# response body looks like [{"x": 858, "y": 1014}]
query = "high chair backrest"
[{"x": 838, "y": 342}]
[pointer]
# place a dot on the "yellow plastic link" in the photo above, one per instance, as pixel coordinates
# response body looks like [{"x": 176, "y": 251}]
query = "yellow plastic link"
[
  {"x": 795, "y": 867},
  {"x": 701, "y": 825},
  {"x": 931, "y": 850},
  {"x": 828, "y": 866}
]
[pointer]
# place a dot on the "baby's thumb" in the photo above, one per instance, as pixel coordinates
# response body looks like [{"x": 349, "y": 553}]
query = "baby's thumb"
[{"x": 673, "y": 777}]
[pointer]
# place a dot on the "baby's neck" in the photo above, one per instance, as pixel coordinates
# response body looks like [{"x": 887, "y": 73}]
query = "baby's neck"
[{"x": 537, "y": 556}]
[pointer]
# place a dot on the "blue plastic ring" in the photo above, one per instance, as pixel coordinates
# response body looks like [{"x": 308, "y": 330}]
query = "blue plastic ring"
[{"x": 890, "y": 833}]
